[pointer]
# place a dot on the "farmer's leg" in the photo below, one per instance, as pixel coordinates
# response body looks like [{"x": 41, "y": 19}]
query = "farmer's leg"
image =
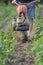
[
  {"x": 30, "y": 27},
  {"x": 31, "y": 16}
]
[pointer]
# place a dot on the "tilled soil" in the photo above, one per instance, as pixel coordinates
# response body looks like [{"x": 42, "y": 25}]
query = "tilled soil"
[{"x": 22, "y": 56}]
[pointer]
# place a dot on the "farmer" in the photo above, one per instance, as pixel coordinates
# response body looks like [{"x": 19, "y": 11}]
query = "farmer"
[{"x": 31, "y": 5}]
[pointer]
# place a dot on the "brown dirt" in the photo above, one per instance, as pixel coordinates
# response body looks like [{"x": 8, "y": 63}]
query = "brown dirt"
[{"x": 22, "y": 56}]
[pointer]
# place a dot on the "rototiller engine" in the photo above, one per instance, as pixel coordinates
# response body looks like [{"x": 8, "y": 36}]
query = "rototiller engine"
[{"x": 20, "y": 24}]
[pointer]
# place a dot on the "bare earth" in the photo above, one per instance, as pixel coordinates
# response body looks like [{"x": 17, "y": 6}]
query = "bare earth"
[{"x": 22, "y": 56}]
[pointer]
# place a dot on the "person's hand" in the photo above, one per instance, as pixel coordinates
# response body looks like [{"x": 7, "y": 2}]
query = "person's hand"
[
  {"x": 37, "y": 0},
  {"x": 13, "y": 2},
  {"x": 28, "y": 4}
]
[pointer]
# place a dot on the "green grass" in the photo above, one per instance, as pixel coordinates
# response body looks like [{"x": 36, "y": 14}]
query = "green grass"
[
  {"x": 37, "y": 48},
  {"x": 7, "y": 12},
  {"x": 7, "y": 42},
  {"x": 7, "y": 45},
  {"x": 38, "y": 41}
]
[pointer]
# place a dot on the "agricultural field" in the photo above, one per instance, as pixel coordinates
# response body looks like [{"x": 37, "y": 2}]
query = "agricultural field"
[
  {"x": 6, "y": 12},
  {"x": 8, "y": 43}
]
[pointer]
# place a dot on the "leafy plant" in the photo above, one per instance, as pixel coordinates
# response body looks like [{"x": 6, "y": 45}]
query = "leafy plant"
[
  {"x": 38, "y": 42},
  {"x": 7, "y": 44}
]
